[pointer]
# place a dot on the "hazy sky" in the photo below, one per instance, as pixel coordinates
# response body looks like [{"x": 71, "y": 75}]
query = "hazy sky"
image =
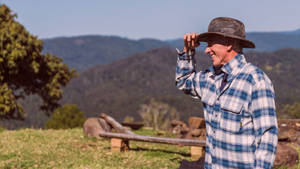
[{"x": 161, "y": 19}]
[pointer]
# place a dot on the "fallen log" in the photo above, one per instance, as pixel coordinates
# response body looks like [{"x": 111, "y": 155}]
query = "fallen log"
[
  {"x": 116, "y": 125},
  {"x": 104, "y": 125},
  {"x": 120, "y": 142},
  {"x": 164, "y": 140}
]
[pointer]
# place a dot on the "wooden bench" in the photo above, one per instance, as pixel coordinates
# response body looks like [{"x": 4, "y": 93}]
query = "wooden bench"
[{"x": 120, "y": 142}]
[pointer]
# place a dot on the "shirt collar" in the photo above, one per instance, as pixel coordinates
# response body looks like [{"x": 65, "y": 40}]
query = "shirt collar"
[{"x": 234, "y": 65}]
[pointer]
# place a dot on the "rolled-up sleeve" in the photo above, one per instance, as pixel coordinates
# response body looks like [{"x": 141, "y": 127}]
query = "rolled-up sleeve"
[
  {"x": 265, "y": 123},
  {"x": 187, "y": 79}
]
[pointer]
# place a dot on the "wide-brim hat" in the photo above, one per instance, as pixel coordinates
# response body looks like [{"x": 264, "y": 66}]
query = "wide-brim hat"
[{"x": 229, "y": 28}]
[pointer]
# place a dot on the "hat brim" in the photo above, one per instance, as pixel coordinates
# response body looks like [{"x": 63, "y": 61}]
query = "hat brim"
[{"x": 204, "y": 37}]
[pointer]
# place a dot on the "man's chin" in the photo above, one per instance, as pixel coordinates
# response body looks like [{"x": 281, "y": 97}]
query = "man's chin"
[
  {"x": 217, "y": 65},
  {"x": 215, "y": 62}
]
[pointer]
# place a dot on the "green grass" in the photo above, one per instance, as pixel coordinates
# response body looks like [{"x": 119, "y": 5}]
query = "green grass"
[
  {"x": 2, "y": 129},
  {"x": 30, "y": 148}
]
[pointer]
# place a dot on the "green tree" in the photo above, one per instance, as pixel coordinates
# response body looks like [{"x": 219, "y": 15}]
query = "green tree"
[
  {"x": 67, "y": 116},
  {"x": 292, "y": 110},
  {"x": 157, "y": 114},
  {"x": 25, "y": 70}
]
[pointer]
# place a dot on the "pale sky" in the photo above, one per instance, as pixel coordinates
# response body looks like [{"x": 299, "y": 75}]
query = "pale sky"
[{"x": 160, "y": 19}]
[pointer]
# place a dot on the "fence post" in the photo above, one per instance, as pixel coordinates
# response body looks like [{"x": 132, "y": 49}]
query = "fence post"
[
  {"x": 119, "y": 145},
  {"x": 196, "y": 152}
]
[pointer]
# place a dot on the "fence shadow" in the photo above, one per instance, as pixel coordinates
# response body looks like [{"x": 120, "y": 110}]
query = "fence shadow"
[{"x": 159, "y": 150}]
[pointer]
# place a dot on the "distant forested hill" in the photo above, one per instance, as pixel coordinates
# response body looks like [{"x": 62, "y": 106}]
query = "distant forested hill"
[
  {"x": 273, "y": 41},
  {"x": 264, "y": 41},
  {"x": 117, "y": 74},
  {"x": 83, "y": 52},
  {"x": 295, "y": 32},
  {"x": 121, "y": 87}
]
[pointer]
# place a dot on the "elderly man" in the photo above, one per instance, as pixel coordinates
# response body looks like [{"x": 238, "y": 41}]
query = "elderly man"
[{"x": 237, "y": 97}]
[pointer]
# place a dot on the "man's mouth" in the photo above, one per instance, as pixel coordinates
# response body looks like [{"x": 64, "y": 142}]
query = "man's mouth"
[{"x": 212, "y": 54}]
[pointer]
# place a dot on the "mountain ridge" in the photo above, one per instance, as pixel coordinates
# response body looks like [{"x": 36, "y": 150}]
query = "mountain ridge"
[
  {"x": 121, "y": 87},
  {"x": 82, "y": 52}
]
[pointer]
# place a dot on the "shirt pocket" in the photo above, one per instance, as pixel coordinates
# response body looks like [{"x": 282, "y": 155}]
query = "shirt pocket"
[{"x": 231, "y": 115}]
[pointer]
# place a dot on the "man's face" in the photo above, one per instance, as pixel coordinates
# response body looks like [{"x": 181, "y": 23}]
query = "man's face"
[{"x": 217, "y": 48}]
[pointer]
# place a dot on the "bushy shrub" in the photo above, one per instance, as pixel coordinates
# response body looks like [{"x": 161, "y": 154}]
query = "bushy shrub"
[
  {"x": 292, "y": 110},
  {"x": 2, "y": 129},
  {"x": 67, "y": 116}
]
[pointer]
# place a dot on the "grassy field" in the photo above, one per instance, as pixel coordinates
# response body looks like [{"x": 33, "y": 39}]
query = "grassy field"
[{"x": 31, "y": 148}]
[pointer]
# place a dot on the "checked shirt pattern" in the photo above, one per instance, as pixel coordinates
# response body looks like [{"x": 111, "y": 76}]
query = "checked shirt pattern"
[{"x": 241, "y": 124}]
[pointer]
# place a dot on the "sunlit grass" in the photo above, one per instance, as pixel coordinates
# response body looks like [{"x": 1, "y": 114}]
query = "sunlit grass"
[{"x": 30, "y": 148}]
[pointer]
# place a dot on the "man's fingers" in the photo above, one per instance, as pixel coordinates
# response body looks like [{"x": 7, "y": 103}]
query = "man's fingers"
[
  {"x": 188, "y": 38},
  {"x": 193, "y": 35},
  {"x": 185, "y": 41},
  {"x": 193, "y": 43},
  {"x": 190, "y": 41}
]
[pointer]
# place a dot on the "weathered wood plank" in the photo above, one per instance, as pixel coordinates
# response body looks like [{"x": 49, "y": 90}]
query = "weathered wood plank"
[{"x": 164, "y": 140}]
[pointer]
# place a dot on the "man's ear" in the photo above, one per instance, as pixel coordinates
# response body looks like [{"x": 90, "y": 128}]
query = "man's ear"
[
  {"x": 232, "y": 45},
  {"x": 229, "y": 44},
  {"x": 229, "y": 47}
]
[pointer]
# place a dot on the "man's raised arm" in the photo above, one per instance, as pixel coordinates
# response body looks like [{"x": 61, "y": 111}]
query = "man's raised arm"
[{"x": 186, "y": 76}]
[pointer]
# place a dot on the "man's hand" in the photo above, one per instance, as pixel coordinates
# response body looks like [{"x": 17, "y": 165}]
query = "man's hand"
[{"x": 190, "y": 41}]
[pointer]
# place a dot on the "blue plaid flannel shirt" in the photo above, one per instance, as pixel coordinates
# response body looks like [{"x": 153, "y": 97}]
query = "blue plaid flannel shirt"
[{"x": 241, "y": 124}]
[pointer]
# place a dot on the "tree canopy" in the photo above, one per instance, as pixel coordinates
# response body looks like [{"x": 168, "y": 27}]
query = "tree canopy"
[{"x": 25, "y": 70}]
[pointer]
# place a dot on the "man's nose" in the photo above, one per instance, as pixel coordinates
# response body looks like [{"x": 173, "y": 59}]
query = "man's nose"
[{"x": 207, "y": 50}]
